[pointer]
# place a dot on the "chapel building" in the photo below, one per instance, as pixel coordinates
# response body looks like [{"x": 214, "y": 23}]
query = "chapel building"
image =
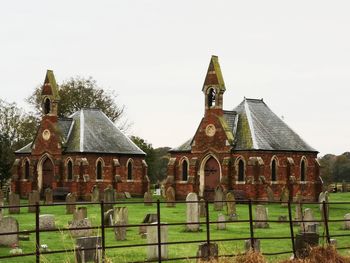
[
  {"x": 77, "y": 152},
  {"x": 248, "y": 150}
]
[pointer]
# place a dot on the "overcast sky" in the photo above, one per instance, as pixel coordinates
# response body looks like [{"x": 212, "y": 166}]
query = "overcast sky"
[{"x": 154, "y": 54}]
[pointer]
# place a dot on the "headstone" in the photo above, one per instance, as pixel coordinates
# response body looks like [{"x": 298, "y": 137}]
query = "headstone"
[
  {"x": 149, "y": 219},
  {"x": 80, "y": 213},
  {"x": 270, "y": 194},
  {"x": 14, "y": 200},
  {"x": 91, "y": 255},
  {"x": 344, "y": 187},
  {"x": 231, "y": 207},
  {"x": 33, "y": 198},
  {"x": 147, "y": 198},
  {"x": 95, "y": 195},
  {"x": 308, "y": 218},
  {"x": 208, "y": 253},
  {"x": 120, "y": 221},
  {"x": 48, "y": 196},
  {"x": 80, "y": 224},
  {"x": 108, "y": 217},
  {"x": 46, "y": 222},
  {"x": 127, "y": 195},
  {"x": 192, "y": 215},
  {"x": 7, "y": 225},
  {"x": 303, "y": 242},
  {"x": 221, "y": 225},
  {"x": 261, "y": 213},
  {"x": 170, "y": 197},
  {"x": 347, "y": 221},
  {"x": 256, "y": 245},
  {"x": 324, "y": 197},
  {"x": 152, "y": 237},
  {"x": 70, "y": 203},
  {"x": 108, "y": 196},
  {"x": 202, "y": 209},
  {"x": 119, "y": 196},
  {"x": 284, "y": 197},
  {"x": 218, "y": 199}
]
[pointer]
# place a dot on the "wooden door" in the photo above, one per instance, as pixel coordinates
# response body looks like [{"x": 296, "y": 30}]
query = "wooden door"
[
  {"x": 211, "y": 177},
  {"x": 48, "y": 174}
]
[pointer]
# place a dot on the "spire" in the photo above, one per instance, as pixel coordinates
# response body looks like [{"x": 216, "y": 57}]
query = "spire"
[
  {"x": 214, "y": 75},
  {"x": 49, "y": 95}
]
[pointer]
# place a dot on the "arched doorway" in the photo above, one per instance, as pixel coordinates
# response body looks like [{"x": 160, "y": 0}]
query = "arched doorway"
[
  {"x": 46, "y": 174},
  {"x": 210, "y": 175}
]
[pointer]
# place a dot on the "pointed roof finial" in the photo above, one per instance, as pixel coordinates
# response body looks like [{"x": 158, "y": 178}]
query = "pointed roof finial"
[
  {"x": 214, "y": 75},
  {"x": 50, "y": 86}
]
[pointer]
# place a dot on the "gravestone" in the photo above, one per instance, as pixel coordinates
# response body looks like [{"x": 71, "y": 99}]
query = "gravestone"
[
  {"x": 192, "y": 215},
  {"x": 261, "y": 213},
  {"x": 208, "y": 253},
  {"x": 152, "y": 237},
  {"x": 308, "y": 224},
  {"x": 108, "y": 196},
  {"x": 149, "y": 219},
  {"x": 95, "y": 194},
  {"x": 70, "y": 203},
  {"x": 48, "y": 196},
  {"x": 120, "y": 221},
  {"x": 170, "y": 196},
  {"x": 80, "y": 224},
  {"x": 324, "y": 197},
  {"x": 147, "y": 198},
  {"x": 93, "y": 254},
  {"x": 284, "y": 197},
  {"x": 248, "y": 246},
  {"x": 347, "y": 221},
  {"x": 231, "y": 207},
  {"x": 202, "y": 210},
  {"x": 7, "y": 225},
  {"x": 127, "y": 195},
  {"x": 108, "y": 217},
  {"x": 303, "y": 242},
  {"x": 344, "y": 187},
  {"x": 270, "y": 194},
  {"x": 46, "y": 222},
  {"x": 221, "y": 225},
  {"x": 33, "y": 198},
  {"x": 80, "y": 213},
  {"x": 218, "y": 199},
  {"x": 14, "y": 200}
]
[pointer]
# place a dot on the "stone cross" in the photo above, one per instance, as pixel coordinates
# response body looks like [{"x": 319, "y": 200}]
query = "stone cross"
[
  {"x": 170, "y": 196},
  {"x": 261, "y": 213},
  {"x": 48, "y": 196},
  {"x": 7, "y": 225},
  {"x": 152, "y": 237},
  {"x": 46, "y": 222},
  {"x": 148, "y": 199},
  {"x": 347, "y": 221},
  {"x": 221, "y": 225},
  {"x": 33, "y": 198},
  {"x": 95, "y": 195},
  {"x": 192, "y": 213},
  {"x": 218, "y": 198},
  {"x": 14, "y": 200},
  {"x": 108, "y": 196},
  {"x": 231, "y": 206},
  {"x": 70, "y": 203}
]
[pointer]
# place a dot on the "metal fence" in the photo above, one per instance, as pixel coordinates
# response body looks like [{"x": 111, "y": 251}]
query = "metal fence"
[{"x": 208, "y": 240}]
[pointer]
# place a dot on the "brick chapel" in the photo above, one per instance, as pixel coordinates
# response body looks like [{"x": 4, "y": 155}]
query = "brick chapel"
[
  {"x": 245, "y": 150},
  {"x": 78, "y": 152}
]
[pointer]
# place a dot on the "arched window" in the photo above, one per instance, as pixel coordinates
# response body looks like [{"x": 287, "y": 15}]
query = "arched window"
[
  {"x": 47, "y": 106},
  {"x": 273, "y": 170},
  {"x": 184, "y": 170},
  {"x": 26, "y": 169},
  {"x": 69, "y": 170},
  {"x": 211, "y": 97},
  {"x": 130, "y": 170},
  {"x": 240, "y": 171},
  {"x": 303, "y": 171},
  {"x": 99, "y": 170}
]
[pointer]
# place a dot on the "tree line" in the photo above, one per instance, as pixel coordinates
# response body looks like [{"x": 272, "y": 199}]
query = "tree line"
[{"x": 335, "y": 168}]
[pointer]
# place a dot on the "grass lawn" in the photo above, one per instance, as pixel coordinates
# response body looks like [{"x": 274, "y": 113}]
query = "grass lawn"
[{"x": 62, "y": 240}]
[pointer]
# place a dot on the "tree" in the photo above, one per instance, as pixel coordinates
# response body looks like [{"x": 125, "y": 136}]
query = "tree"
[
  {"x": 342, "y": 168},
  {"x": 79, "y": 92}
]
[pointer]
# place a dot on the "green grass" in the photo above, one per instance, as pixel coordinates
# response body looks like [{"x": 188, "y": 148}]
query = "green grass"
[{"x": 62, "y": 240}]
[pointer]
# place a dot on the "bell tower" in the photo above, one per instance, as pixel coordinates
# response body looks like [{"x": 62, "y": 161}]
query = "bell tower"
[
  {"x": 49, "y": 96},
  {"x": 214, "y": 87}
]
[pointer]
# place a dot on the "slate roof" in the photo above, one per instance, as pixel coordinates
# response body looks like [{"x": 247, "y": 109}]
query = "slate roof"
[
  {"x": 90, "y": 130},
  {"x": 253, "y": 126}
]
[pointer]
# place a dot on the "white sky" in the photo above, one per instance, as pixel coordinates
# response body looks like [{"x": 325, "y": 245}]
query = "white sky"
[{"x": 294, "y": 54}]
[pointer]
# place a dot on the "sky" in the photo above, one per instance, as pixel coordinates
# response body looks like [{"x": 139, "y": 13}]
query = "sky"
[{"x": 154, "y": 55}]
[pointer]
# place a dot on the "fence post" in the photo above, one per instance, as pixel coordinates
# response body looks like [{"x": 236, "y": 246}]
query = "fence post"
[
  {"x": 158, "y": 232},
  {"x": 103, "y": 231},
  {"x": 207, "y": 226},
  {"x": 291, "y": 227},
  {"x": 325, "y": 218},
  {"x": 37, "y": 232},
  {"x": 251, "y": 224}
]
